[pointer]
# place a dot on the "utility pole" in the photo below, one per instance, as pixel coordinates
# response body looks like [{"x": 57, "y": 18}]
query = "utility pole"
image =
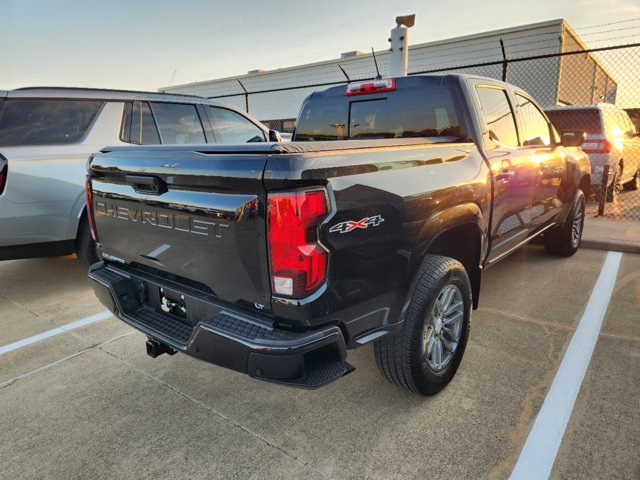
[{"x": 399, "y": 50}]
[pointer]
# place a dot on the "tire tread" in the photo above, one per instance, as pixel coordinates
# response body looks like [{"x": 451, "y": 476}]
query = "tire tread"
[
  {"x": 557, "y": 240},
  {"x": 393, "y": 352}
]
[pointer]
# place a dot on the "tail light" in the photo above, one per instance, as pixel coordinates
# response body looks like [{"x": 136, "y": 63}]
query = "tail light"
[
  {"x": 3, "y": 173},
  {"x": 298, "y": 262},
  {"x": 90, "y": 209},
  {"x": 600, "y": 146},
  {"x": 373, "y": 86}
]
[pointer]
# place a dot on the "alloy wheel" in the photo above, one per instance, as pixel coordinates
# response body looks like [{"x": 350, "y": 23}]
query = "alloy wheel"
[{"x": 442, "y": 329}]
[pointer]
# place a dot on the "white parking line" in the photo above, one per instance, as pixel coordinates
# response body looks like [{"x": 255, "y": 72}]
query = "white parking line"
[
  {"x": 539, "y": 451},
  {"x": 53, "y": 332}
]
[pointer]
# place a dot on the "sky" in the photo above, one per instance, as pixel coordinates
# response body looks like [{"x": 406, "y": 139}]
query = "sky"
[{"x": 148, "y": 44}]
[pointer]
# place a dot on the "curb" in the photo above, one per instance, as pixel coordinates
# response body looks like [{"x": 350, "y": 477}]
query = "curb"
[
  {"x": 610, "y": 245},
  {"x": 603, "y": 233}
]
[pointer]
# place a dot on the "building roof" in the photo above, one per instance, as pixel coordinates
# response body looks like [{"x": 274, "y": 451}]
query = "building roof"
[{"x": 465, "y": 38}]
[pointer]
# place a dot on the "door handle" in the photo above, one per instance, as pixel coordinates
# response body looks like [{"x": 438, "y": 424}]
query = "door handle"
[{"x": 505, "y": 175}]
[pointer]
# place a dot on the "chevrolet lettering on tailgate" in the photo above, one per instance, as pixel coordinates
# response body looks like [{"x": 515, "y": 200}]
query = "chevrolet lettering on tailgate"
[{"x": 179, "y": 222}]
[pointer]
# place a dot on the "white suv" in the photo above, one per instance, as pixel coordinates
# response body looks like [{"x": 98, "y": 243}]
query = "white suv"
[
  {"x": 47, "y": 135},
  {"x": 612, "y": 139}
]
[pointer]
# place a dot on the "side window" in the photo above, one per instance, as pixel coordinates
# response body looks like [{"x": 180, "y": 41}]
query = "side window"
[
  {"x": 498, "y": 116},
  {"x": 534, "y": 129},
  {"x": 229, "y": 127},
  {"x": 178, "y": 123},
  {"x": 143, "y": 126},
  {"x": 125, "y": 125},
  {"x": 46, "y": 122}
]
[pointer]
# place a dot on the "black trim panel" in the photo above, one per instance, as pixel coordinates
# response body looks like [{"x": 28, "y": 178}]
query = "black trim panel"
[{"x": 35, "y": 250}]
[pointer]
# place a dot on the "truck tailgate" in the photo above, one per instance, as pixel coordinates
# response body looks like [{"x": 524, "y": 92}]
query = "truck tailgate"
[{"x": 195, "y": 217}]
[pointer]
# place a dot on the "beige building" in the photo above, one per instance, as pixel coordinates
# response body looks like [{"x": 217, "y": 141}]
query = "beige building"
[{"x": 571, "y": 79}]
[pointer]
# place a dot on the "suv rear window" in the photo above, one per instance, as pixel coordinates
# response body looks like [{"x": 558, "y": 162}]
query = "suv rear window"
[
  {"x": 46, "y": 122},
  {"x": 587, "y": 120},
  {"x": 412, "y": 112}
]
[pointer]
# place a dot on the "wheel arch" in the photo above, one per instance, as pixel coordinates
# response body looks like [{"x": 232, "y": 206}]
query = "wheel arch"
[
  {"x": 459, "y": 233},
  {"x": 585, "y": 183},
  {"x": 82, "y": 216}
]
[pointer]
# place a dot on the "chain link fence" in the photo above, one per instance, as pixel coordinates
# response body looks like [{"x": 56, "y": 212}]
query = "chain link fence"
[{"x": 596, "y": 91}]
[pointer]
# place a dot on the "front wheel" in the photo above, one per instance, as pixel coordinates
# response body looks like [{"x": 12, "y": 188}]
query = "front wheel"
[
  {"x": 564, "y": 240},
  {"x": 424, "y": 355}
]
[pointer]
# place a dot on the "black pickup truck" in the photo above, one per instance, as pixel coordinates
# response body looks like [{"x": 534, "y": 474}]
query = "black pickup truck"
[{"x": 373, "y": 225}]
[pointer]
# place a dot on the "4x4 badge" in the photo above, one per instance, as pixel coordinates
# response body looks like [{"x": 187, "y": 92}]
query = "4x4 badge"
[{"x": 350, "y": 225}]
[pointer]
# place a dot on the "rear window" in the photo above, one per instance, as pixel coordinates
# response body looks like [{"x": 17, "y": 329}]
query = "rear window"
[
  {"x": 46, "y": 122},
  {"x": 413, "y": 112},
  {"x": 587, "y": 120}
]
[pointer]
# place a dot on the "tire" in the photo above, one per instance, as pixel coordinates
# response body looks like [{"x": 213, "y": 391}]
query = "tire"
[
  {"x": 405, "y": 358},
  {"x": 564, "y": 240},
  {"x": 86, "y": 248},
  {"x": 634, "y": 183},
  {"x": 614, "y": 190}
]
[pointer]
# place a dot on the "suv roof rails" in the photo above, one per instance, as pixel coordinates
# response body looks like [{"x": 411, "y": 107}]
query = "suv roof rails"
[{"x": 113, "y": 90}]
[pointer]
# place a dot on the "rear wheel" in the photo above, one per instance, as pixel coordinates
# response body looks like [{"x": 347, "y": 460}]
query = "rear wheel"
[
  {"x": 614, "y": 189},
  {"x": 634, "y": 183},
  {"x": 564, "y": 240},
  {"x": 425, "y": 354},
  {"x": 86, "y": 248}
]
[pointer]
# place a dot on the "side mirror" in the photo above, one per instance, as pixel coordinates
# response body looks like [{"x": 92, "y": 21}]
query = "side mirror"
[
  {"x": 572, "y": 138},
  {"x": 274, "y": 136}
]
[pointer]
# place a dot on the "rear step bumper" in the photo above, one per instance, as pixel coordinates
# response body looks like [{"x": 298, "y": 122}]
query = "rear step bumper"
[{"x": 229, "y": 339}]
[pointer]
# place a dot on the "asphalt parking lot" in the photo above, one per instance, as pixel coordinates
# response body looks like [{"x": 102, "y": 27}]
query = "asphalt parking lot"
[{"x": 89, "y": 402}]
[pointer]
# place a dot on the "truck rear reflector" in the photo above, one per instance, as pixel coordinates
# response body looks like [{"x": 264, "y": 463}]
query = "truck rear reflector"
[
  {"x": 371, "y": 86},
  {"x": 298, "y": 263}
]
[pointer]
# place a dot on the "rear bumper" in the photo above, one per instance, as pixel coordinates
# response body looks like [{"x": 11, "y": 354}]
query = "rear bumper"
[{"x": 220, "y": 336}]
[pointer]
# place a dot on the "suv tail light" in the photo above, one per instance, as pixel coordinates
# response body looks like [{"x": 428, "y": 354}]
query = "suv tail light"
[
  {"x": 371, "y": 86},
  {"x": 89, "y": 195},
  {"x": 3, "y": 173},
  {"x": 599, "y": 146},
  {"x": 298, "y": 262}
]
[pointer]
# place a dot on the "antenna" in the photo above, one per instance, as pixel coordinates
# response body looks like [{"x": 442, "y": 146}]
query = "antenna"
[
  {"x": 173, "y": 76},
  {"x": 378, "y": 76},
  {"x": 345, "y": 73}
]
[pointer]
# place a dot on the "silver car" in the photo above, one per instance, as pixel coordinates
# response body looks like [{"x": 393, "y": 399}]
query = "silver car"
[
  {"x": 47, "y": 135},
  {"x": 612, "y": 140}
]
